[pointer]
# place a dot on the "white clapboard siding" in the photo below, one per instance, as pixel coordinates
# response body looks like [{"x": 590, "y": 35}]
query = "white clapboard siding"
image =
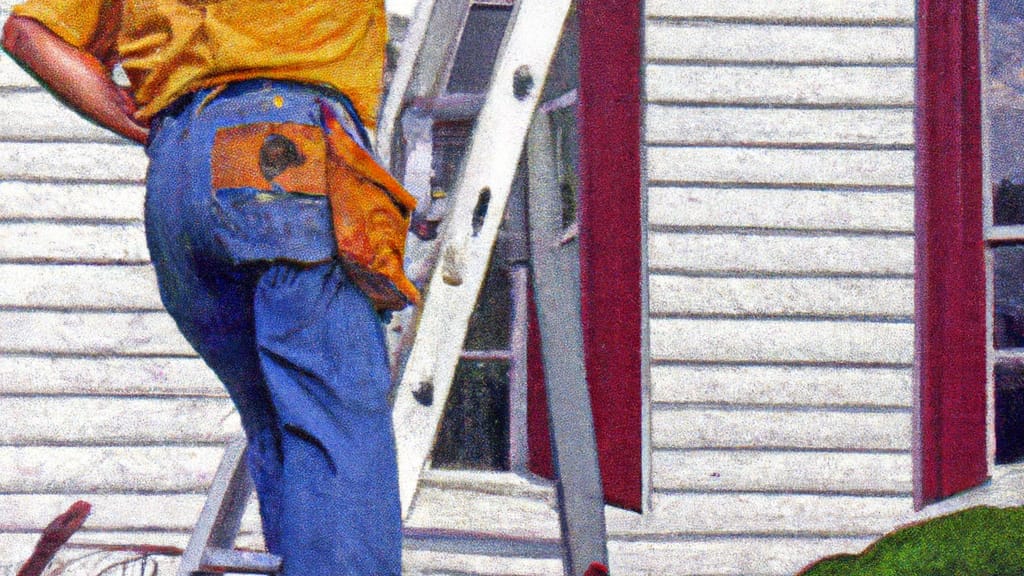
[
  {"x": 72, "y": 161},
  {"x": 696, "y": 41},
  {"x": 761, "y": 514},
  {"x": 785, "y": 167},
  {"x": 107, "y": 469},
  {"x": 833, "y": 11},
  {"x": 780, "y": 85},
  {"x": 86, "y": 555},
  {"x": 12, "y": 76},
  {"x": 100, "y": 421},
  {"x": 431, "y": 563},
  {"x": 706, "y": 556},
  {"x": 88, "y": 552},
  {"x": 40, "y": 200},
  {"x": 780, "y": 428},
  {"x": 782, "y": 385},
  {"x": 841, "y": 210},
  {"x": 685, "y": 125},
  {"x": 107, "y": 376},
  {"x": 36, "y": 115},
  {"x": 781, "y": 340},
  {"x": 767, "y": 471},
  {"x": 65, "y": 242},
  {"x": 107, "y": 333},
  {"x": 79, "y": 287},
  {"x": 773, "y": 341},
  {"x": 111, "y": 512},
  {"x": 686, "y": 296},
  {"x": 781, "y": 254}
]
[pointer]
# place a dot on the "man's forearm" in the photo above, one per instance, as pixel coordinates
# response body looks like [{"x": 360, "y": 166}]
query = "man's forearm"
[{"x": 75, "y": 75}]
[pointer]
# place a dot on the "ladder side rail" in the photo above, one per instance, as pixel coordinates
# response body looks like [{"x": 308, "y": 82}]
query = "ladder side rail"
[
  {"x": 423, "y": 64},
  {"x": 222, "y": 512},
  {"x": 467, "y": 241},
  {"x": 556, "y": 282}
]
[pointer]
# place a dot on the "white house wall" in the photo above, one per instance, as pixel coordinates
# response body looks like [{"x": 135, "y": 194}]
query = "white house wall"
[
  {"x": 779, "y": 171},
  {"x": 101, "y": 399}
]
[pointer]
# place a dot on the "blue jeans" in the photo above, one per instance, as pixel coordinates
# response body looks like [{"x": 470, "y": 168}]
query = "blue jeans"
[{"x": 300, "y": 349}]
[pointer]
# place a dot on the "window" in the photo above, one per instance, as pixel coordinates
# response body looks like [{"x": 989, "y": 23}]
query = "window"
[{"x": 597, "y": 135}]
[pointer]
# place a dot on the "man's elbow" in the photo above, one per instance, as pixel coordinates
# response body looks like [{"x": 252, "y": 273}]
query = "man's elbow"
[
  {"x": 21, "y": 35},
  {"x": 13, "y": 36}
]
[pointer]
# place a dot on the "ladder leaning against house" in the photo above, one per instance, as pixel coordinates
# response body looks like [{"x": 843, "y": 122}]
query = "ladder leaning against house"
[{"x": 456, "y": 263}]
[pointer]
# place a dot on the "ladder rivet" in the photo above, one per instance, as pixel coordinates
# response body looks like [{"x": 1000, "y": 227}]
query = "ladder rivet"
[
  {"x": 424, "y": 393},
  {"x": 522, "y": 82}
]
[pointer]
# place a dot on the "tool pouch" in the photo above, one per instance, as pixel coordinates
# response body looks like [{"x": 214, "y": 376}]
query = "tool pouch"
[
  {"x": 282, "y": 187},
  {"x": 371, "y": 213}
]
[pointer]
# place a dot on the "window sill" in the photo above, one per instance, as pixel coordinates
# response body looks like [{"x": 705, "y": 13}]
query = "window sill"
[
  {"x": 1004, "y": 489},
  {"x": 502, "y": 483}
]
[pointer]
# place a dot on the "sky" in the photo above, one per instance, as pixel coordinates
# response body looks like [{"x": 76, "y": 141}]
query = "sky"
[{"x": 400, "y": 7}]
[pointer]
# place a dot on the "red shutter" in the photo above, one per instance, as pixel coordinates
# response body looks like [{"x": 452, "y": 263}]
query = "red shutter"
[
  {"x": 950, "y": 276},
  {"x": 610, "y": 245}
]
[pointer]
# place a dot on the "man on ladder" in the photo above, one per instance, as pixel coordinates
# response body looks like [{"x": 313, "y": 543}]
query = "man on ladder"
[
  {"x": 246, "y": 142},
  {"x": 252, "y": 112}
]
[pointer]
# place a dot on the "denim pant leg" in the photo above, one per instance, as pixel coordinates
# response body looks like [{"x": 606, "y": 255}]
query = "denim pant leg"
[
  {"x": 321, "y": 346},
  {"x": 299, "y": 348},
  {"x": 212, "y": 304}
]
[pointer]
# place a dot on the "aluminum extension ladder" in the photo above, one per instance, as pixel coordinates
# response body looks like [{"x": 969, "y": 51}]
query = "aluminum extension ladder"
[{"x": 457, "y": 262}]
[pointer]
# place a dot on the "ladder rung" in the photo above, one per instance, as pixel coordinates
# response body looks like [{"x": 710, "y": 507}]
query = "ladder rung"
[{"x": 222, "y": 560}]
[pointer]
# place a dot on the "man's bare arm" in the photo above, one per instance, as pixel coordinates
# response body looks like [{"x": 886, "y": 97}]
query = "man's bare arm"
[{"x": 75, "y": 75}]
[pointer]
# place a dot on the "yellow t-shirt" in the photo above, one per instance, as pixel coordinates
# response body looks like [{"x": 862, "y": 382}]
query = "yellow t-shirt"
[{"x": 171, "y": 47}]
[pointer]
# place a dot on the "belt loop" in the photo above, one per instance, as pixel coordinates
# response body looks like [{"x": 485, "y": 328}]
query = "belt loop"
[{"x": 209, "y": 98}]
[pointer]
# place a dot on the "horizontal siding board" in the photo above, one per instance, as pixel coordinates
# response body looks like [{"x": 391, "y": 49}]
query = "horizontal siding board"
[
  {"x": 44, "y": 421},
  {"x": 433, "y": 563},
  {"x": 780, "y": 254},
  {"x": 729, "y": 165},
  {"x": 725, "y": 556},
  {"x": 111, "y": 512},
  {"x": 683, "y": 295},
  {"x": 764, "y": 43},
  {"x": 82, "y": 554},
  {"x": 38, "y": 200},
  {"x": 91, "y": 333},
  {"x": 782, "y": 385},
  {"x": 765, "y": 127},
  {"x": 71, "y": 161},
  {"x": 781, "y": 85},
  {"x": 768, "y": 514},
  {"x": 760, "y": 471},
  {"x": 775, "y": 341},
  {"x": 706, "y": 556},
  {"x": 47, "y": 375},
  {"x": 683, "y": 428},
  {"x": 72, "y": 470},
  {"x": 66, "y": 242},
  {"x": 842, "y": 210},
  {"x": 85, "y": 555},
  {"x": 79, "y": 287},
  {"x": 800, "y": 10},
  {"x": 35, "y": 115},
  {"x": 11, "y": 75}
]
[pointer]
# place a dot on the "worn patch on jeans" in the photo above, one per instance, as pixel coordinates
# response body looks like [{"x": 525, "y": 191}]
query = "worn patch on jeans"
[{"x": 286, "y": 157}]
